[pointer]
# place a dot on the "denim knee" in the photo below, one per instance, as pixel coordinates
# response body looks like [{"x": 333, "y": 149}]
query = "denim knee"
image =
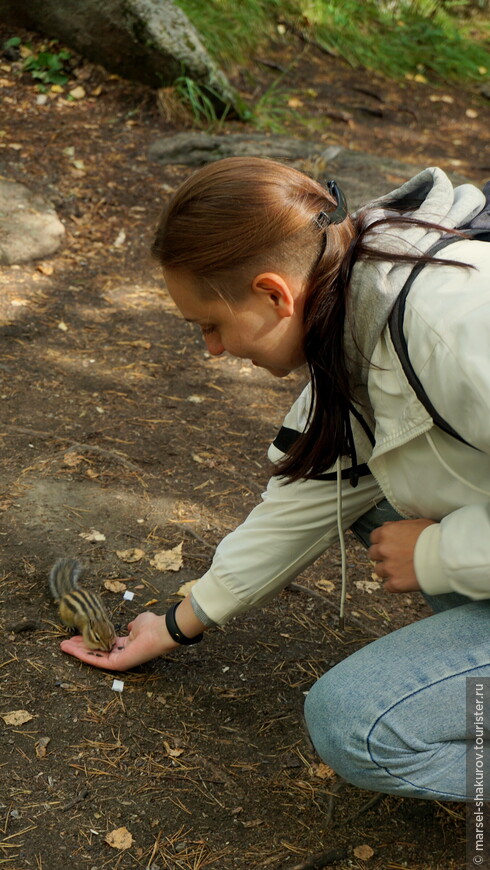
[{"x": 334, "y": 722}]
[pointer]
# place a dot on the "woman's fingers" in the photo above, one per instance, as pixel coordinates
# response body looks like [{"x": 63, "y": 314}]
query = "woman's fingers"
[{"x": 115, "y": 660}]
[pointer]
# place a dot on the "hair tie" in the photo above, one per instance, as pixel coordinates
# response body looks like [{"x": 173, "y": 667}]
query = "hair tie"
[{"x": 339, "y": 214}]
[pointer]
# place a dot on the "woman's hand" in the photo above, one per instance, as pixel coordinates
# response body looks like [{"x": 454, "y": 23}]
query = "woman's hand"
[
  {"x": 392, "y": 548},
  {"x": 148, "y": 638}
]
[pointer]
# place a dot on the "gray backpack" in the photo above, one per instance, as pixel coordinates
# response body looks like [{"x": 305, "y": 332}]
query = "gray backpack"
[{"x": 478, "y": 228}]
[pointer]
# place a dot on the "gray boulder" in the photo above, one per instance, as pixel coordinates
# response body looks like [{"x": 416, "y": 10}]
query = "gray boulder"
[
  {"x": 196, "y": 149},
  {"x": 29, "y": 226},
  {"x": 361, "y": 176},
  {"x": 150, "y": 41}
]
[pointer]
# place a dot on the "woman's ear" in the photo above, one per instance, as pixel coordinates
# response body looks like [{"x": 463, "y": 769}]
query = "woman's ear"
[{"x": 276, "y": 291}]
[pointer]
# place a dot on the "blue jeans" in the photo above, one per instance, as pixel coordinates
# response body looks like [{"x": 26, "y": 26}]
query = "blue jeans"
[{"x": 392, "y": 716}]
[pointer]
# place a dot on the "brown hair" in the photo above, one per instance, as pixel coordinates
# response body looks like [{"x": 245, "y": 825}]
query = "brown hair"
[{"x": 244, "y": 214}]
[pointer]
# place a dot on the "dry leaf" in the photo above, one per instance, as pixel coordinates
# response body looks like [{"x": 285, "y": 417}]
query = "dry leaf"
[
  {"x": 62, "y": 325},
  {"x": 120, "y": 838},
  {"x": 114, "y": 586},
  {"x": 45, "y": 268},
  {"x": 140, "y": 342},
  {"x": 441, "y": 98},
  {"x": 168, "y": 560},
  {"x": 16, "y": 717},
  {"x": 41, "y": 746},
  {"x": 173, "y": 753},
  {"x": 368, "y": 586},
  {"x": 77, "y": 93},
  {"x": 72, "y": 460},
  {"x": 132, "y": 555},
  {"x": 363, "y": 852},
  {"x": 150, "y": 602},
  {"x": 327, "y": 585},
  {"x": 470, "y": 113},
  {"x": 186, "y": 588},
  {"x": 323, "y": 771},
  {"x": 93, "y": 536},
  {"x": 295, "y": 103}
]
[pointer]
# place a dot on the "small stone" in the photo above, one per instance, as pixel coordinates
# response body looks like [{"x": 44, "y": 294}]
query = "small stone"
[{"x": 77, "y": 93}]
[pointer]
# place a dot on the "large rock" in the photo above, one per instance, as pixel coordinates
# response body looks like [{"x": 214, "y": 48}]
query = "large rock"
[
  {"x": 196, "y": 149},
  {"x": 362, "y": 176},
  {"x": 29, "y": 226},
  {"x": 150, "y": 41}
]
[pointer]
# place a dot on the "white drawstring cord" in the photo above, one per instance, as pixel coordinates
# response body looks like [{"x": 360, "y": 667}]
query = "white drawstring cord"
[
  {"x": 342, "y": 545},
  {"x": 451, "y": 471}
]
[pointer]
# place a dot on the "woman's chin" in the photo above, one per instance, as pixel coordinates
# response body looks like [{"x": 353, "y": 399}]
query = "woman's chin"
[{"x": 276, "y": 373}]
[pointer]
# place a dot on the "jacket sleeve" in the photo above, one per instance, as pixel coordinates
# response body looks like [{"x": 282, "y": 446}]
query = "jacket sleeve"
[
  {"x": 284, "y": 534},
  {"x": 454, "y": 555}
]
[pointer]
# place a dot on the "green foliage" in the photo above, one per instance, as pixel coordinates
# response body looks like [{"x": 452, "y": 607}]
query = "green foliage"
[
  {"x": 200, "y": 101},
  {"x": 417, "y": 36},
  {"x": 48, "y": 68},
  {"x": 232, "y": 29},
  {"x": 396, "y": 37}
]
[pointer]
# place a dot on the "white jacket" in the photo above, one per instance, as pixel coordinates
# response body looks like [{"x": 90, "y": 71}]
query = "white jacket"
[{"x": 422, "y": 471}]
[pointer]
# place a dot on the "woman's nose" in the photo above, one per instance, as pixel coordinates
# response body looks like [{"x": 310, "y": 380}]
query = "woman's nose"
[{"x": 214, "y": 344}]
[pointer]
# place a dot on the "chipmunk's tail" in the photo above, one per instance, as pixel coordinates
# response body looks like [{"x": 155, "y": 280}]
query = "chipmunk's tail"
[{"x": 63, "y": 577}]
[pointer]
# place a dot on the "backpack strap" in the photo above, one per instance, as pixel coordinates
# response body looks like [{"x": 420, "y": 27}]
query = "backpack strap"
[{"x": 395, "y": 322}]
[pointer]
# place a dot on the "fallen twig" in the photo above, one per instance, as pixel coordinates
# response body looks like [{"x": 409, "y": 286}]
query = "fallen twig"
[
  {"x": 298, "y": 587},
  {"x": 331, "y": 801},
  {"x": 76, "y": 800},
  {"x": 25, "y": 625},
  {"x": 367, "y": 806},
  {"x": 194, "y": 535},
  {"x": 321, "y": 859},
  {"x": 297, "y": 31},
  {"x": 75, "y": 445}
]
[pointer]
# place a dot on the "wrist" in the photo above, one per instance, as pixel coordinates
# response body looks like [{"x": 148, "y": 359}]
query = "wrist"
[
  {"x": 187, "y": 620},
  {"x": 167, "y": 642},
  {"x": 182, "y": 624}
]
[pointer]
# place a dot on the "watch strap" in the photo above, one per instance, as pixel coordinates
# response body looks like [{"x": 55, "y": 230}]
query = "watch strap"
[{"x": 174, "y": 630}]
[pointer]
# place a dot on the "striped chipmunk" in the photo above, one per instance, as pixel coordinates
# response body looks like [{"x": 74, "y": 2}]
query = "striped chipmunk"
[{"x": 80, "y": 608}]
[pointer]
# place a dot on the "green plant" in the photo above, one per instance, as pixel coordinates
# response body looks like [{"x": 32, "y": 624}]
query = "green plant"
[
  {"x": 396, "y": 37},
  {"x": 200, "y": 101},
  {"x": 13, "y": 42},
  {"x": 49, "y": 68},
  {"x": 400, "y": 38}
]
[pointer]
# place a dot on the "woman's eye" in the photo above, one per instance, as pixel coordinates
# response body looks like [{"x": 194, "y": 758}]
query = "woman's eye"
[{"x": 207, "y": 330}]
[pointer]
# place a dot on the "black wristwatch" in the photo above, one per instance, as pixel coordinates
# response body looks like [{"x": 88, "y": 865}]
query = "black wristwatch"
[{"x": 174, "y": 630}]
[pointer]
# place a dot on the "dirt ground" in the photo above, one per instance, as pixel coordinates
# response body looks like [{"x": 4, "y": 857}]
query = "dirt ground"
[{"x": 114, "y": 420}]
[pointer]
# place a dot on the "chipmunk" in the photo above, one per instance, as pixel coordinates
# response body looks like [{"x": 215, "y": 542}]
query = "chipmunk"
[{"x": 80, "y": 608}]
